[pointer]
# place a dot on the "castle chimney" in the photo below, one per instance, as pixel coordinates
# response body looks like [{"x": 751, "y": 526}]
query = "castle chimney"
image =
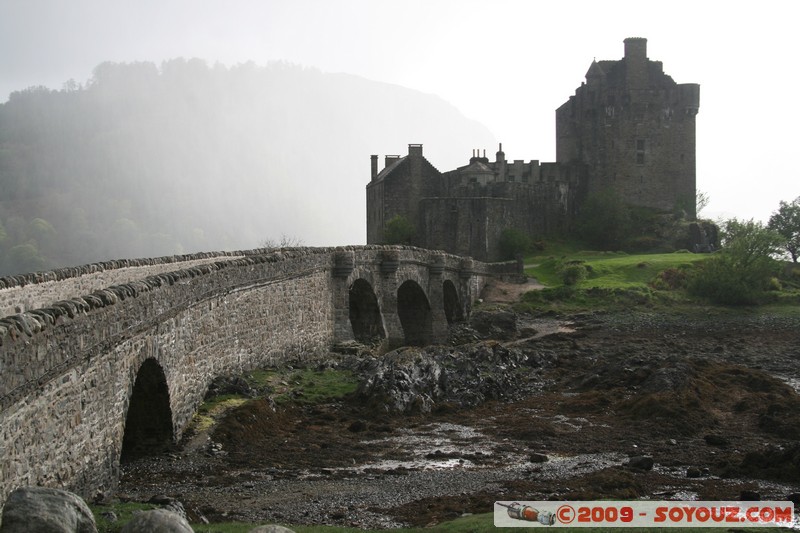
[
  {"x": 501, "y": 156},
  {"x": 415, "y": 150},
  {"x": 374, "y": 162}
]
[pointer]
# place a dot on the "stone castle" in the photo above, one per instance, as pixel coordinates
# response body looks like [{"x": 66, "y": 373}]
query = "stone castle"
[{"x": 629, "y": 129}]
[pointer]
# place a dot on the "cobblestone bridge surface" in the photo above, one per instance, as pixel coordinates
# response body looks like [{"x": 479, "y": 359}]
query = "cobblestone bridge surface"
[{"x": 100, "y": 359}]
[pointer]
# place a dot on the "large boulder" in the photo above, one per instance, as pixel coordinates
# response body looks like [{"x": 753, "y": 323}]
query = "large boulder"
[
  {"x": 497, "y": 324},
  {"x": 44, "y": 510},
  {"x": 160, "y": 520},
  {"x": 415, "y": 380}
]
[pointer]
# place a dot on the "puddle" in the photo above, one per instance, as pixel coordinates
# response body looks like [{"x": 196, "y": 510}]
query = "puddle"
[
  {"x": 542, "y": 328},
  {"x": 418, "y": 464},
  {"x": 792, "y": 382},
  {"x": 437, "y": 446},
  {"x": 445, "y": 446},
  {"x": 440, "y": 438},
  {"x": 562, "y": 466}
]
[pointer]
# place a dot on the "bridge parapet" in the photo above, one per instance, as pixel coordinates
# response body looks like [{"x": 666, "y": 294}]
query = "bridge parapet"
[{"x": 68, "y": 369}]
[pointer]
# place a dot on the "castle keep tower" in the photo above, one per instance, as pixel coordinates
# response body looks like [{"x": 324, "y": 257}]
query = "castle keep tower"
[
  {"x": 634, "y": 129},
  {"x": 629, "y": 129}
]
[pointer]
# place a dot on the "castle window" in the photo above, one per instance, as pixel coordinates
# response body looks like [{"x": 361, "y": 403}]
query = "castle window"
[{"x": 640, "y": 151}]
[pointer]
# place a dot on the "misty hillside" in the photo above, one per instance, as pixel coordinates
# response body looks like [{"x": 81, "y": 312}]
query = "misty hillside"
[{"x": 147, "y": 161}]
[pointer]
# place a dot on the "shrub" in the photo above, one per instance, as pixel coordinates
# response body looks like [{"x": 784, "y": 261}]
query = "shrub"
[
  {"x": 741, "y": 273},
  {"x": 720, "y": 282},
  {"x": 671, "y": 279},
  {"x": 512, "y": 243},
  {"x": 399, "y": 230},
  {"x": 573, "y": 272}
]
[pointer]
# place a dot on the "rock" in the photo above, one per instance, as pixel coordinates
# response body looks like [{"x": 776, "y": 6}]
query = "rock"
[
  {"x": 667, "y": 379},
  {"x": 749, "y": 496},
  {"x": 230, "y": 385},
  {"x": 169, "y": 503},
  {"x": 538, "y": 458},
  {"x": 496, "y": 324},
  {"x": 640, "y": 462},
  {"x": 45, "y": 510},
  {"x": 715, "y": 440},
  {"x": 271, "y": 528},
  {"x": 414, "y": 380},
  {"x": 357, "y": 427},
  {"x": 693, "y": 472},
  {"x": 160, "y": 520}
]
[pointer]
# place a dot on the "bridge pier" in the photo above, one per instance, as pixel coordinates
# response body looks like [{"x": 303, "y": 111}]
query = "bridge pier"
[{"x": 440, "y": 327}]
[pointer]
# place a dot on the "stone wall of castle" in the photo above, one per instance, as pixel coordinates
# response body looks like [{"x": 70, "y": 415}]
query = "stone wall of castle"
[{"x": 634, "y": 129}]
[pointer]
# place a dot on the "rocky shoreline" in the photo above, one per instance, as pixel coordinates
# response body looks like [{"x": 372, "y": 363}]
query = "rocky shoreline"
[{"x": 623, "y": 405}]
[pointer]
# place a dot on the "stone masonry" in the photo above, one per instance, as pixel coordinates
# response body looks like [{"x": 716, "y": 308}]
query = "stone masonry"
[{"x": 69, "y": 368}]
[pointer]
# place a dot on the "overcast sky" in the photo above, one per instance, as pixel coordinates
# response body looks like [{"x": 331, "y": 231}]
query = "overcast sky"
[{"x": 505, "y": 63}]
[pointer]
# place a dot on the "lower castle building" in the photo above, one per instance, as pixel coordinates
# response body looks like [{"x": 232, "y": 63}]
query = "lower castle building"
[{"x": 629, "y": 129}]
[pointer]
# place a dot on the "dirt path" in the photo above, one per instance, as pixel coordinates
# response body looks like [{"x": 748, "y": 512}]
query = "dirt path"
[{"x": 505, "y": 292}]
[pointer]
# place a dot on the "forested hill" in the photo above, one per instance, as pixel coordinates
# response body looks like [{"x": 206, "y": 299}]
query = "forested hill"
[{"x": 145, "y": 161}]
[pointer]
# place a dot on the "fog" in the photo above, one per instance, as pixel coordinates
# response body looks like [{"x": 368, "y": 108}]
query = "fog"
[
  {"x": 146, "y": 159},
  {"x": 298, "y": 167}
]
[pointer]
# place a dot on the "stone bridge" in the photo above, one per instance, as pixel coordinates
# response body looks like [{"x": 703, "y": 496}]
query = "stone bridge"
[{"x": 98, "y": 361}]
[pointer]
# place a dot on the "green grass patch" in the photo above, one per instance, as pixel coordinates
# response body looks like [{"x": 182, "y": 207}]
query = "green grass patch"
[
  {"x": 307, "y": 386},
  {"x": 206, "y": 415},
  {"x": 590, "y": 280},
  {"x": 610, "y": 270},
  {"x": 122, "y": 511},
  {"x": 288, "y": 386}
]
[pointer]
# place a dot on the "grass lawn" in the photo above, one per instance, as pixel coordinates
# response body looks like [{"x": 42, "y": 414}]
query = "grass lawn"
[{"x": 610, "y": 270}]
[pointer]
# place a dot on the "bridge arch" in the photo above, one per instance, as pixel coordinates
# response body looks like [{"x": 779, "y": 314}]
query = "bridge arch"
[
  {"x": 73, "y": 365},
  {"x": 148, "y": 424},
  {"x": 453, "y": 310},
  {"x": 414, "y": 311},
  {"x": 365, "y": 313}
]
